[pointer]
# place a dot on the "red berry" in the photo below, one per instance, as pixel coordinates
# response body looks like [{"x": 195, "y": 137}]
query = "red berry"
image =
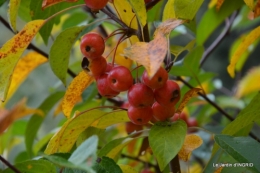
[
  {"x": 140, "y": 95},
  {"x": 182, "y": 116},
  {"x": 147, "y": 171},
  {"x": 92, "y": 45},
  {"x": 96, "y": 4},
  {"x": 97, "y": 66},
  {"x": 140, "y": 116},
  {"x": 192, "y": 122},
  {"x": 162, "y": 113},
  {"x": 169, "y": 94},
  {"x": 131, "y": 127},
  {"x": 158, "y": 80},
  {"x": 103, "y": 87},
  {"x": 125, "y": 105},
  {"x": 120, "y": 78}
]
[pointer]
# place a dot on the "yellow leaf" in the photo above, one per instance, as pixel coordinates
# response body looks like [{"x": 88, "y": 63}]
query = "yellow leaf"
[
  {"x": 257, "y": 9},
  {"x": 120, "y": 59},
  {"x": 47, "y": 3},
  {"x": 249, "y": 83},
  {"x": 74, "y": 91},
  {"x": 249, "y": 39},
  {"x": 250, "y": 4},
  {"x": 152, "y": 54},
  {"x": 12, "y": 50},
  {"x": 191, "y": 93},
  {"x": 65, "y": 138},
  {"x": 191, "y": 143},
  {"x": 12, "y": 13},
  {"x": 112, "y": 118},
  {"x": 127, "y": 169},
  {"x": 7, "y": 117},
  {"x": 23, "y": 68},
  {"x": 138, "y": 7},
  {"x": 219, "y": 4},
  {"x": 212, "y": 3}
]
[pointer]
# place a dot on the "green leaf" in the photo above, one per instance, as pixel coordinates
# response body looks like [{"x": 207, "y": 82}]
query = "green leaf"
[
  {"x": 112, "y": 118},
  {"x": 33, "y": 166},
  {"x": 127, "y": 169},
  {"x": 87, "y": 148},
  {"x": 2, "y": 2},
  {"x": 36, "y": 121},
  {"x": 114, "y": 147},
  {"x": 191, "y": 63},
  {"x": 140, "y": 10},
  {"x": 213, "y": 18},
  {"x": 41, "y": 143},
  {"x": 63, "y": 162},
  {"x": 74, "y": 19},
  {"x": 184, "y": 9},
  {"x": 90, "y": 131},
  {"x": 242, "y": 149},
  {"x": 60, "y": 51},
  {"x": 12, "y": 13},
  {"x": 107, "y": 165},
  {"x": 166, "y": 141}
]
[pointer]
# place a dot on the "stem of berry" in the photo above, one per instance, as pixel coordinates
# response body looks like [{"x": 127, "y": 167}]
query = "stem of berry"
[{"x": 121, "y": 39}]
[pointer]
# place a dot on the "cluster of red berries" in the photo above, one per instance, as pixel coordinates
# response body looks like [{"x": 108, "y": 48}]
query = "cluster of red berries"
[
  {"x": 96, "y": 5},
  {"x": 153, "y": 99}
]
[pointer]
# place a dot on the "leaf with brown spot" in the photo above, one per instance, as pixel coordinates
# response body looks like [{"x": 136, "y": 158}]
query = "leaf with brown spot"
[
  {"x": 65, "y": 138},
  {"x": 152, "y": 54},
  {"x": 219, "y": 4},
  {"x": 191, "y": 143},
  {"x": 23, "y": 68},
  {"x": 191, "y": 93},
  {"x": 12, "y": 50},
  {"x": 74, "y": 91},
  {"x": 47, "y": 3},
  {"x": 7, "y": 117},
  {"x": 257, "y": 9}
]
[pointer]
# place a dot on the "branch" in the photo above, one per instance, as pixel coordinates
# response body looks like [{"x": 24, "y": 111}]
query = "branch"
[
  {"x": 219, "y": 39},
  {"x": 9, "y": 165},
  {"x": 33, "y": 47},
  {"x": 215, "y": 105},
  {"x": 175, "y": 165}
]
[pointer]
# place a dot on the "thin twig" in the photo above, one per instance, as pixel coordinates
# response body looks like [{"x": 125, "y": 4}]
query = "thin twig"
[
  {"x": 215, "y": 105},
  {"x": 219, "y": 39},
  {"x": 9, "y": 165}
]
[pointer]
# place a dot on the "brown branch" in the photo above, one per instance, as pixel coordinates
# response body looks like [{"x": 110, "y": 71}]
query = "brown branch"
[
  {"x": 215, "y": 105},
  {"x": 175, "y": 165},
  {"x": 9, "y": 165}
]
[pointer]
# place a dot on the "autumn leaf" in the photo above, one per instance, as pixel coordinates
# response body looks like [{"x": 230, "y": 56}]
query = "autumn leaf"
[
  {"x": 257, "y": 9},
  {"x": 120, "y": 59},
  {"x": 47, "y": 3},
  {"x": 250, "y": 4},
  {"x": 23, "y": 68},
  {"x": 7, "y": 117},
  {"x": 12, "y": 13},
  {"x": 12, "y": 50},
  {"x": 186, "y": 98},
  {"x": 219, "y": 4},
  {"x": 218, "y": 170},
  {"x": 74, "y": 91},
  {"x": 249, "y": 39},
  {"x": 248, "y": 83},
  {"x": 152, "y": 54},
  {"x": 191, "y": 142}
]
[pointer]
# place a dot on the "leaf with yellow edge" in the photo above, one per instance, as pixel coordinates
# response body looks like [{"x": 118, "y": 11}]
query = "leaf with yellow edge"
[
  {"x": 250, "y": 4},
  {"x": 74, "y": 91},
  {"x": 127, "y": 169},
  {"x": 47, "y": 3},
  {"x": 191, "y": 93},
  {"x": 191, "y": 142},
  {"x": 12, "y": 13},
  {"x": 23, "y": 68},
  {"x": 248, "y": 83},
  {"x": 112, "y": 118},
  {"x": 257, "y": 9},
  {"x": 139, "y": 8},
  {"x": 12, "y": 50},
  {"x": 249, "y": 39},
  {"x": 65, "y": 138},
  {"x": 152, "y": 54},
  {"x": 7, "y": 117}
]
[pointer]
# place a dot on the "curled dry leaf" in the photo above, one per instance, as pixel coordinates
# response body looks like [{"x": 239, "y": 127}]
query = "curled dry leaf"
[
  {"x": 152, "y": 54},
  {"x": 191, "y": 93},
  {"x": 7, "y": 117},
  {"x": 191, "y": 143},
  {"x": 74, "y": 91},
  {"x": 47, "y": 3}
]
